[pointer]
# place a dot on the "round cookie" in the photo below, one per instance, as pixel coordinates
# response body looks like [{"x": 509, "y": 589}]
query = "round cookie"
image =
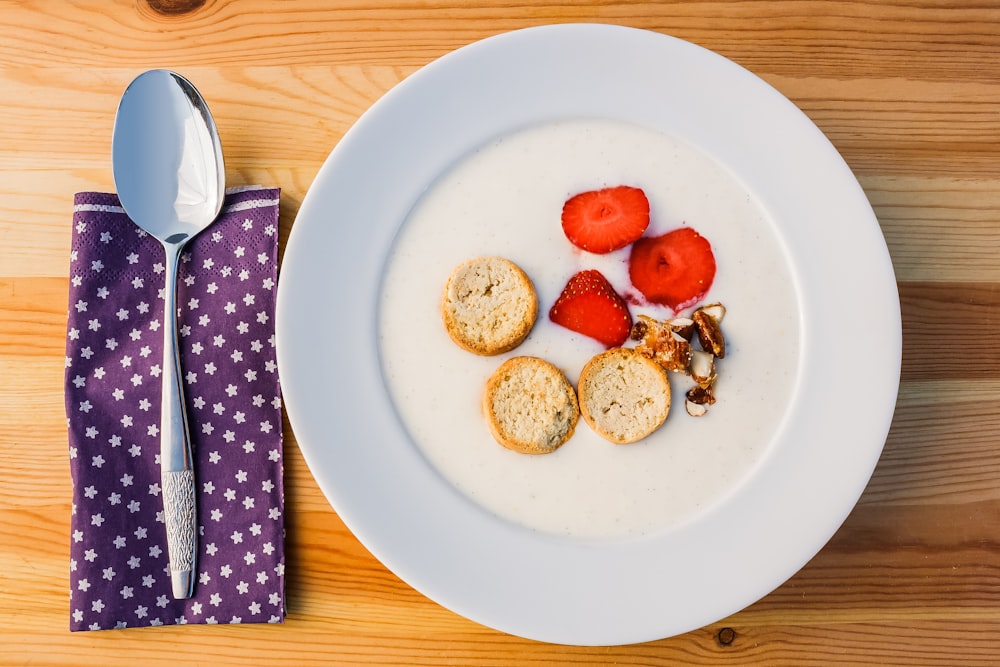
[
  {"x": 530, "y": 406},
  {"x": 489, "y": 305},
  {"x": 623, "y": 395}
]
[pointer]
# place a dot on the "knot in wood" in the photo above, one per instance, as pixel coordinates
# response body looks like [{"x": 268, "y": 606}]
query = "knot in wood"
[
  {"x": 174, "y": 7},
  {"x": 726, "y": 636}
]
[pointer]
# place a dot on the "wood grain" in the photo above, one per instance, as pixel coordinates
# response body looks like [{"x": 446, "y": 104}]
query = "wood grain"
[
  {"x": 950, "y": 330},
  {"x": 907, "y": 90}
]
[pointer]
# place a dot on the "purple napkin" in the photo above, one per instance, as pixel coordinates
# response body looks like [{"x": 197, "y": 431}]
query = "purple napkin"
[{"x": 119, "y": 573}]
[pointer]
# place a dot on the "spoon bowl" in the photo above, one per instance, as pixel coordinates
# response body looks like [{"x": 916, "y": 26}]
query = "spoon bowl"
[
  {"x": 167, "y": 158},
  {"x": 170, "y": 177}
]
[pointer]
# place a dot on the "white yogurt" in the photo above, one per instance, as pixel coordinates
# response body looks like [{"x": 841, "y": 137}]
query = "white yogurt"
[{"x": 506, "y": 199}]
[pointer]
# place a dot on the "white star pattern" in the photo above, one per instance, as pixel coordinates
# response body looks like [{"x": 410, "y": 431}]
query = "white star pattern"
[{"x": 118, "y": 566}]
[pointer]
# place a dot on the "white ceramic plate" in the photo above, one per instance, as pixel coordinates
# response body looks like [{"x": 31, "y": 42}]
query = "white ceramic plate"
[{"x": 529, "y": 583}]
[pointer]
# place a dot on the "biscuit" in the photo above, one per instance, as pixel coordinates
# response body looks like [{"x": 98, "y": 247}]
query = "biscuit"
[
  {"x": 530, "y": 406},
  {"x": 623, "y": 396},
  {"x": 489, "y": 305}
]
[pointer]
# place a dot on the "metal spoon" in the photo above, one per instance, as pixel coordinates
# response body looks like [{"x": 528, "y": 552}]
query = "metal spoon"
[{"x": 170, "y": 177}]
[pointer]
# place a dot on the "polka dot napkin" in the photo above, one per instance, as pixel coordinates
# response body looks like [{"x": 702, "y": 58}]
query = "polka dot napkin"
[{"x": 119, "y": 573}]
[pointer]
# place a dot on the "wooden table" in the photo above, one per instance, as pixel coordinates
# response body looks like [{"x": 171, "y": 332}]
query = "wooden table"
[{"x": 908, "y": 91}]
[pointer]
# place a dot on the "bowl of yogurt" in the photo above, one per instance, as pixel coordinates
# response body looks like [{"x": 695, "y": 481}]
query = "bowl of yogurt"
[{"x": 594, "y": 543}]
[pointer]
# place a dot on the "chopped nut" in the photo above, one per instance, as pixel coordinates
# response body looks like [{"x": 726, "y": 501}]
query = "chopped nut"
[
  {"x": 669, "y": 343},
  {"x": 661, "y": 344},
  {"x": 701, "y": 395},
  {"x": 684, "y": 326},
  {"x": 702, "y": 367},
  {"x": 639, "y": 329},
  {"x": 714, "y": 310},
  {"x": 709, "y": 333},
  {"x": 695, "y": 409}
]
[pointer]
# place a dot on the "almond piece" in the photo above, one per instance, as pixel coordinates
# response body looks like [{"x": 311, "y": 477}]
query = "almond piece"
[
  {"x": 701, "y": 395},
  {"x": 683, "y": 326},
  {"x": 702, "y": 367},
  {"x": 709, "y": 333},
  {"x": 714, "y": 310},
  {"x": 695, "y": 409}
]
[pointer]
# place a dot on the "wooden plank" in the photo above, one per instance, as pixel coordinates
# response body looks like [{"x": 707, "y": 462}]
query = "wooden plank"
[
  {"x": 835, "y": 38},
  {"x": 949, "y": 330}
]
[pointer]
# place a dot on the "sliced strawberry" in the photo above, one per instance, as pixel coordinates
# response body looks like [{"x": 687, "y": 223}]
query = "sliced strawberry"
[
  {"x": 675, "y": 270},
  {"x": 589, "y": 305},
  {"x": 600, "y": 221}
]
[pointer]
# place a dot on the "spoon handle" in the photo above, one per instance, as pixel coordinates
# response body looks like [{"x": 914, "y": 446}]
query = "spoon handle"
[{"x": 176, "y": 456}]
